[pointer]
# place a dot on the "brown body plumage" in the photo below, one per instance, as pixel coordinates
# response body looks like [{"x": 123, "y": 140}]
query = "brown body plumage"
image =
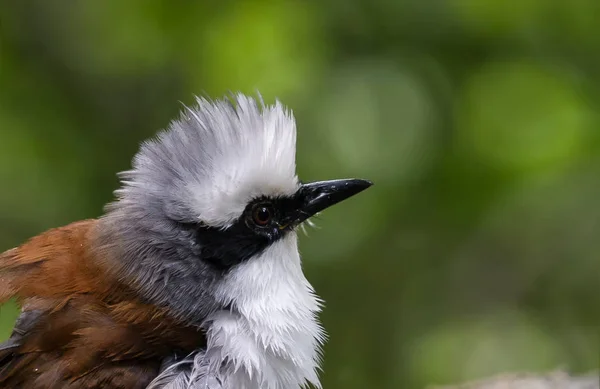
[{"x": 95, "y": 332}]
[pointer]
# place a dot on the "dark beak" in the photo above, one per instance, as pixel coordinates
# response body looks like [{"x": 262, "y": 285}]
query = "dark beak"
[{"x": 316, "y": 196}]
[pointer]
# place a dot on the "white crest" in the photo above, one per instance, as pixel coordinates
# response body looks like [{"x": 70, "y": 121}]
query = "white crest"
[{"x": 216, "y": 158}]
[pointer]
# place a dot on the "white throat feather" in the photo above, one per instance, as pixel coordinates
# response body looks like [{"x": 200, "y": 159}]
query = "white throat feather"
[{"x": 269, "y": 339}]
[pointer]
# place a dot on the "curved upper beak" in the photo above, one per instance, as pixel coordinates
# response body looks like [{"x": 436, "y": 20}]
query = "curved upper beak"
[{"x": 317, "y": 196}]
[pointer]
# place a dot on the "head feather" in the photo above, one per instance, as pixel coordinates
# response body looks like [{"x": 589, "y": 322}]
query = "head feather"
[{"x": 214, "y": 159}]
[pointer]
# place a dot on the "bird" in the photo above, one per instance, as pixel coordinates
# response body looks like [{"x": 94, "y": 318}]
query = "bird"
[{"x": 191, "y": 278}]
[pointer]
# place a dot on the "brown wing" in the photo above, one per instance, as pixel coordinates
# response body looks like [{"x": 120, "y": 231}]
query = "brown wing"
[
  {"x": 70, "y": 348},
  {"x": 79, "y": 329}
]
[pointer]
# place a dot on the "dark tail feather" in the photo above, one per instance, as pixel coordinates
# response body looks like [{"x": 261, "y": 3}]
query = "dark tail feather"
[{"x": 9, "y": 356}]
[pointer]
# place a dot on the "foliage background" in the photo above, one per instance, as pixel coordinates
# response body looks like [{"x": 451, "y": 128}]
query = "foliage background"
[{"x": 475, "y": 253}]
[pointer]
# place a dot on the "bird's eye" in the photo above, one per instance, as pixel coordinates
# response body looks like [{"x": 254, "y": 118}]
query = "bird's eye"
[{"x": 262, "y": 214}]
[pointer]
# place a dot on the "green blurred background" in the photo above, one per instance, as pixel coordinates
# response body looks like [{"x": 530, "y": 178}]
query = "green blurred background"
[{"x": 475, "y": 253}]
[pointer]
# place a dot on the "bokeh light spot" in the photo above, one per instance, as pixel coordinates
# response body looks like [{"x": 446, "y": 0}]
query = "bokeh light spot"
[
  {"x": 379, "y": 118},
  {"x": 521, "y": 117},
  {"x": 471, "y": 348}
]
